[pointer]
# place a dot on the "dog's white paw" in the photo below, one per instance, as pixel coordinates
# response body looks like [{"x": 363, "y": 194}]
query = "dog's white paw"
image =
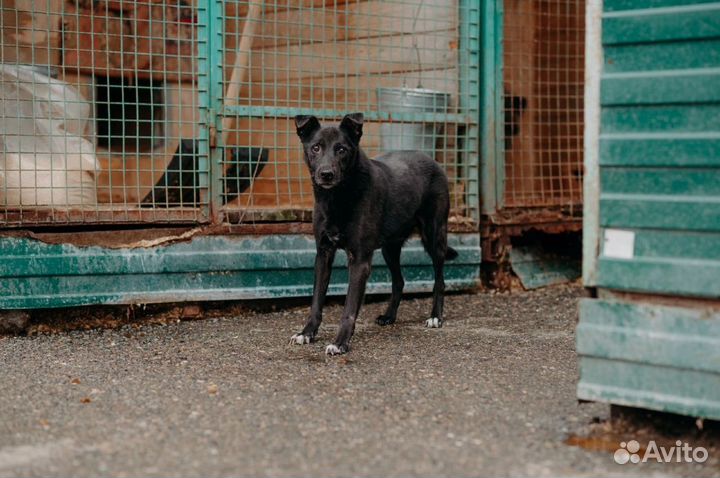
[
  {"x": 300, "y": 339},
  {"x": 333, "y": 349},
  {"x": 433, "y": 323}
]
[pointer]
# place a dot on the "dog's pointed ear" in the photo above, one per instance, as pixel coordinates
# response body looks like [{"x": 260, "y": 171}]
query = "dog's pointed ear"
[
  {"x": 352, "y": 125},
  {"x": 306, "y": 126}
]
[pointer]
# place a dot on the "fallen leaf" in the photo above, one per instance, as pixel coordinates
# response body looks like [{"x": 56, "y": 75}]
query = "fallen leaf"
[
  {"x": 212, "y": 389},
  {"x": 85, "y": 400},
  {"x": 75, "y": 381}
]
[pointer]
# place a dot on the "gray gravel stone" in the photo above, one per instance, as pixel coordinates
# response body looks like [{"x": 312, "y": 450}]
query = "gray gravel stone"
[
  {"x": 492, "y": 392},
  {"x": 13, "y": 321}
]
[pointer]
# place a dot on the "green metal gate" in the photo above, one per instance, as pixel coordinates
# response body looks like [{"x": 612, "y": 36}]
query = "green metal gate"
[
  {"x": 197, "y": 188},
  {"x": 652, "y": 217},
  {"x": 532, "y": 145}
]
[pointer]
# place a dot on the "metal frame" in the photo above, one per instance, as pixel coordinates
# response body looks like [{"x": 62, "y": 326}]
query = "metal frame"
[
  {"x": 492, "y": 149},
  {"x": 591, "y": 184}
]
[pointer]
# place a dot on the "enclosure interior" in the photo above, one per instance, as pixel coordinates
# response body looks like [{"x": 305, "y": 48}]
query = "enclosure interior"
[
  {"x": 543, "y": 87},
  {"x": 134, "y": 121}
]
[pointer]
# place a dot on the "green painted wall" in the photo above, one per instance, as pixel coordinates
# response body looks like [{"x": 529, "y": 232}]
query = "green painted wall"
[
  {"x": 37, "y": 275},
  {"x": 660, "y": 146},
  {"x": 656, "y": 206},
  {"x": 649, "y": 355}
]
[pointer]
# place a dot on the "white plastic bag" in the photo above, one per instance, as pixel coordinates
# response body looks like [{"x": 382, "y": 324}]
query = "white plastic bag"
[{"x": 45, "y": 160}]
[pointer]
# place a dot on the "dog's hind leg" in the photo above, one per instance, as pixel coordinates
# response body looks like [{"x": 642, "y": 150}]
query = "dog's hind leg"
[
  {"x": 323, "y": 267},
  {"x": 391, "y": 254},
  {"x": 434, "y": 237}
]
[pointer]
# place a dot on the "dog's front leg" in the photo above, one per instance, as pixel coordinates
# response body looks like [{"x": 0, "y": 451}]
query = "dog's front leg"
[
  {"x": 359, "y": 272},
  {"x": 323, "y": 268}
]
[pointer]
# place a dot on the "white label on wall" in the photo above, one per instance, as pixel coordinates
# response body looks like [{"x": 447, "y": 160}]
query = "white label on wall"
[{"x": 619, "y": 244}]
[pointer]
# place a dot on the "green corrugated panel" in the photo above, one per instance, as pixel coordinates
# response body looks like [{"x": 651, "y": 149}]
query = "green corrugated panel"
[
  {"x": 659, "y": 211},
  {"x": 660, "y": 147},
  {"x": 669, "y": 23},
  {"x": 537, "y": 267},
  {"x": 651, "y": 356},
  {"x": 35, "y": 275}
]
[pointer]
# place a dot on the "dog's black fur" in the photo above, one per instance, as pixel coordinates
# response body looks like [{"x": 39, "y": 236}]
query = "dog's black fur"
[{"x": 362, "y": 205}]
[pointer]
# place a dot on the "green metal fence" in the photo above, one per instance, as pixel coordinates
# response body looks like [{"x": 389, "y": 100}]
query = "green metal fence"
[
  {"x": 169, "y": 111},
  {"x": 119, "y": 117}
]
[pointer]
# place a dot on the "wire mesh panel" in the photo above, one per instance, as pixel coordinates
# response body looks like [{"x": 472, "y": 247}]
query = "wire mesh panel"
[
  {"x": 411, "y": 66},
  {"x": 103, "y": 104},
  {"x": 112, "y": 108},
  {"x": 543, "y": 97}
]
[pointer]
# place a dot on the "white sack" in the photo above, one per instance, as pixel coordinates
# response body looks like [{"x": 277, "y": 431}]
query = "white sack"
[{"x": 45, "y": 159}]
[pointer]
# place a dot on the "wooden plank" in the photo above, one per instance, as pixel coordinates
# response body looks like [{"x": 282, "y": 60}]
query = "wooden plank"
[
  {"x": 150, "y": 40},
  {"x": 346, "y": 93},
  {"x": 519, "y": 65},
  {"x": 239, "y": 9},
  {"x": 437, "y": 50},
  {"x": 101, "y": 214},
  {"x": 346, "y": 21},
  {"x": 125, "y": 179},
  {"x": 30, "y": 31},
  {"x": 284, "y": 182}
]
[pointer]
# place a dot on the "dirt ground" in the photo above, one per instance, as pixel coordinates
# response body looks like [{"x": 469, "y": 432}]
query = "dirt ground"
[{"x": 491, "y": 393}]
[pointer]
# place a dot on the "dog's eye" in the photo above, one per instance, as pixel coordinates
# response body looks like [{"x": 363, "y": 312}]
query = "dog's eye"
[
  {"x": 341, "y": 151},
  {"x": 315, "y": 148}
]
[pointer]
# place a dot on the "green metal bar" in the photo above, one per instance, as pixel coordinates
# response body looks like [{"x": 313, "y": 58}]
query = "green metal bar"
[
  {"x": 492, "y": 120},
  {"x": 216, "y": 48},
  {"x": 591, "y": 138},
  {"x": 204, "y": 102},
  {"x": 470, "y": 96},
  {"x": 207, "y": 268},
  {"x": 284, "y": 112}
]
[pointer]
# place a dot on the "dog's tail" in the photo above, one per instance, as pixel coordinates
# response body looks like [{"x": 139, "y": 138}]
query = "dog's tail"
[{"x": 451, "y": 254}]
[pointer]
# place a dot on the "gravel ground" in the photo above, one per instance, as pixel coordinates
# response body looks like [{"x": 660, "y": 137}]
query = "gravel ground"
[{"x": 491, "y": 393}]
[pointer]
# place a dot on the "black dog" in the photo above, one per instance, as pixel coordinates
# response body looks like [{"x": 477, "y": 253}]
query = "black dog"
[{"x": 362, "y": 205}]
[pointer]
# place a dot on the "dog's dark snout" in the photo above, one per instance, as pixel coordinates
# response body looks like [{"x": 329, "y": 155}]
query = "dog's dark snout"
[{"x": 327, "y": 175}]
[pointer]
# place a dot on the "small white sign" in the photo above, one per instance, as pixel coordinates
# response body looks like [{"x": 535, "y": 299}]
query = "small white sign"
[{"x": 619, "y": 244}]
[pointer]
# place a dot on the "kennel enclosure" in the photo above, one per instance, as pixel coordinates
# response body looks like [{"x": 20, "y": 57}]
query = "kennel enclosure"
[
  {"x": 651, "y": 337},
  {"x": 149, "y": 151},
  {"x": 532, "y": 144}
]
